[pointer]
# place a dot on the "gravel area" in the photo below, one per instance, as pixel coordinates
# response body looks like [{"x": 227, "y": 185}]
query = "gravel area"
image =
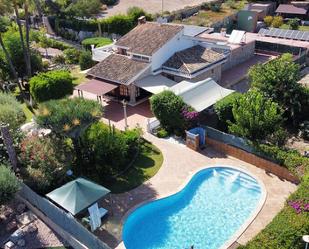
[{"x": 42, "y": 237}]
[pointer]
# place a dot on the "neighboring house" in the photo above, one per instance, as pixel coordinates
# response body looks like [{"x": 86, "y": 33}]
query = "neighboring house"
[
  {"x": 167, "y": 53},
  {"x": 291, "y": 11}
]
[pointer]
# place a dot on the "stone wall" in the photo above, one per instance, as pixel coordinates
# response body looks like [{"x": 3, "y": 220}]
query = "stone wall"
[{"x": 259, "y": 162}]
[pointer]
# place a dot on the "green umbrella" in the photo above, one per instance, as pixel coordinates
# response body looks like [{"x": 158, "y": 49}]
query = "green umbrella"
[{"x": 77, "y": 195}]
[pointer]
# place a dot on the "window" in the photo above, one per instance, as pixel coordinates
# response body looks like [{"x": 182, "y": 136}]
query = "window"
[
  {"x": 140, "y": 58},
  {"x": 123, "y": 90},
  {"x": 212, "y": 71}
]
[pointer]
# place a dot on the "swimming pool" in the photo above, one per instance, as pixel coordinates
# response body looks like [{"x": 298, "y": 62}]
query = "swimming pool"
[{"x": 212, "y": 207}]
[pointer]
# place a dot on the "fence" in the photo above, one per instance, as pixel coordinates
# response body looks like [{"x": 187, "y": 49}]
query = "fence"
[
  {"x": 228, "y": 139},
  {"x": 62, "y": 219},
  {"x": 239, "y": 148}
]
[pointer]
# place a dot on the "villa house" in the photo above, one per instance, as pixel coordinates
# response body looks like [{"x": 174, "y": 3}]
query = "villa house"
[{"x": 153, "y": 57}]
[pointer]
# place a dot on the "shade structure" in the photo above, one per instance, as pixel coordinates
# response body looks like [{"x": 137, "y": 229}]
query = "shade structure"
[
  {"x": 77, "y": 195},
  {"x": 98, "y": 87},
  {"x": 155, "y": 83},
  {"x": 200, "y": 95}
]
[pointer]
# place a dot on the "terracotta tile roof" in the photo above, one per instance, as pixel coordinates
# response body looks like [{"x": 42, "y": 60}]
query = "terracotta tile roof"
[
  {"x": 192, "y": 59},
  {"x": 117, "y": 68},
  {"x": 147, "y": 38},
  {"x": 291, "y": 9}
]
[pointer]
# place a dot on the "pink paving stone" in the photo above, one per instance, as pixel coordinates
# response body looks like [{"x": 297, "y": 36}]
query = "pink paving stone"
[{"x": 178, "y": 166}]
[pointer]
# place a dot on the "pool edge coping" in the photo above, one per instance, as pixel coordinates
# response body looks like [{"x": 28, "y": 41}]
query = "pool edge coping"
[{"x": 242, "y": 228}]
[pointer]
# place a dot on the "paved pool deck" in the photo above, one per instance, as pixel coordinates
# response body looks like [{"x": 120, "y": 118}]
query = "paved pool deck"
[{"x": 179, "y": 165}]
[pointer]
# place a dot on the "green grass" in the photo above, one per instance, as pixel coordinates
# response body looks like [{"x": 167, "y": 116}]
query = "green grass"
[
  {"x": 29, "y": 114},
  {"x": 97, "y": 41},
  {"x": 144, "y": 167},
  {"x": 300, "y": 28},
  {"x": 78, "y": 77}
]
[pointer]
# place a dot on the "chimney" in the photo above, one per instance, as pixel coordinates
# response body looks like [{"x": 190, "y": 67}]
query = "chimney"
[{"x": 141, "y": 20}]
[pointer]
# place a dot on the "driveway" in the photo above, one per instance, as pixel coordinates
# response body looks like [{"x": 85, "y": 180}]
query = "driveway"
[{"x": 151, "y": 6}]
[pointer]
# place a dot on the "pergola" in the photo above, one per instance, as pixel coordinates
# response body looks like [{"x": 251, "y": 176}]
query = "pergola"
[
  {"x": 97, "y": 87},
  {"x": 77, "y": 195}
]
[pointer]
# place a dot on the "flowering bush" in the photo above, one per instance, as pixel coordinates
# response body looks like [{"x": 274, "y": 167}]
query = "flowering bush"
[
  {"x": 189, "y": 115},
  {"x": 299, "y": 206},
  {"x": 45, "y": 160}
]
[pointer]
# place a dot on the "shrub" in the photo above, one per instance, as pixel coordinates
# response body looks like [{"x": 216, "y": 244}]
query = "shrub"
[
  {"x": 58, "y": 59},
  {"x": 45, "y": 161},
  {"x": 287, "y": 228},
  {"x": 294, "y": 23},
  {"x": 68, "y": 116},
  {"x": 51, "y": 85},
  {"x": 11, "y": 111},
  {"x": 162, "y": 133},
  {"x": 136, "y": 12},
  {"x": 9, "y": 184},
  {"x": 223, "y": 109},
  {"x": 96, "y": 41},
  {"x": 167, "y": 107},
  {"x": 106, "y": 149},
  {"x": 71, "y": 56},
  {"x": 290, "y": 159},
  {"x": 277, "y": 22},
  {"x": 268, "y": 20},
  {"x": 256, "y": 117},
  {"x": 132, "y": 138},
  {"x": 85, "y": 60},
  {"x": 215, "y": 7}
]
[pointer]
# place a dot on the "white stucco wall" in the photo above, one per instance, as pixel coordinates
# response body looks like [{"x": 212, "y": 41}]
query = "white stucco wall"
[{"x": 178, "y": 43}]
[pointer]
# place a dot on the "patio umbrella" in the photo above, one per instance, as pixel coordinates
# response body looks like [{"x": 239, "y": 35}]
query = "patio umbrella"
[{"x": 77, "y": 195}]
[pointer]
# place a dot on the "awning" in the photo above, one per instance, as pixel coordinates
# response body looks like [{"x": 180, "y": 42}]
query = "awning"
[
  {"x": 200, "y": 95},
  {"x": 155, "y": 83},
  {"x": 77, "y": 195},
  {"x": 98, "y": 87}
]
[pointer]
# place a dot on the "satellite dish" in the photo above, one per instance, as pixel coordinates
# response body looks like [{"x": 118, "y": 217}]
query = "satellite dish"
[{"x": 250, "y": 18}]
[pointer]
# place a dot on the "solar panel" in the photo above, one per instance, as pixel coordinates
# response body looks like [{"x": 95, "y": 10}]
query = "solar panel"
[
  {"x": 288, "y": 34},
  {"x": 262, "y": 31},
  {"x": 306, "y": 36},
  {"x": 285, "y": 34},
  {"x": 276, "y": 32},
  {"x": 298, "y": 35}
]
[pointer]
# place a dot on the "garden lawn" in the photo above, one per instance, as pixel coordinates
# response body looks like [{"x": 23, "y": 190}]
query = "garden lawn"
[
  {"x": 29, "y": 114},
  {"x": 287, "y": 228},
  {"x": 78, "y": 77},
  {"x": 144, "y": 167},
  {"x": 300, "y": 28}
]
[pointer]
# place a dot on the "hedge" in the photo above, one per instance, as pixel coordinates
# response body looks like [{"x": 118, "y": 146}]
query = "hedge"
[
  {"x": 117, "y": 24},
  {"x": 51, "y": 85},
  {"x": 96, "y": 41},
  {"x": 290, "y": 159}
]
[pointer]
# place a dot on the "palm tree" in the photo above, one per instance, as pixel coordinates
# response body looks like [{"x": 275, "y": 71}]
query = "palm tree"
[
  {"x": 3, "y": 28},
  {"x": 20, "y": 29}
]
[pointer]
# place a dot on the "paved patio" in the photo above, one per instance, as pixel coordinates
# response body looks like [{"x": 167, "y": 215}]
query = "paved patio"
[
  {"x": 178, "y": 166},
  {"x": 239, "y": 73}
]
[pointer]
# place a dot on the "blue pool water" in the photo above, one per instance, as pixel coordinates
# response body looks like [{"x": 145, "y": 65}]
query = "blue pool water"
[{"x": 206, "y": 213}]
